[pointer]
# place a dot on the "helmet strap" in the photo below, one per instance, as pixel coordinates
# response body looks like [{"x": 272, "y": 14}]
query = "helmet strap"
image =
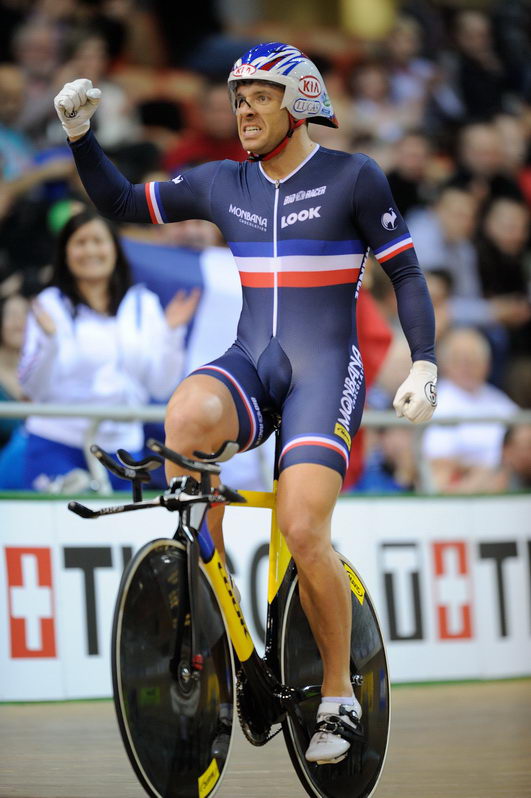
[{"x": 293, "y": 125}]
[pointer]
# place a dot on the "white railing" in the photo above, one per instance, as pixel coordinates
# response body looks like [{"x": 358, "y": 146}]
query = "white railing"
[{"x": 155, "y": 413}]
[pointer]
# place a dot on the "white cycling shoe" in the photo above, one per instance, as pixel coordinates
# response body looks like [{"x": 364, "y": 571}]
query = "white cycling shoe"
[{"x": 337, "y": 726}]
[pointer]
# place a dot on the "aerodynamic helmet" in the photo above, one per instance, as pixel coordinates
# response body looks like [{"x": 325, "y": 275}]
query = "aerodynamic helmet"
[{"x": 305, "y": 95}]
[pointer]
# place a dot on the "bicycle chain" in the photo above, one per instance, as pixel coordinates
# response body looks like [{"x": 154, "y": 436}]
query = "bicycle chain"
[{"x": 244, "y": 725}]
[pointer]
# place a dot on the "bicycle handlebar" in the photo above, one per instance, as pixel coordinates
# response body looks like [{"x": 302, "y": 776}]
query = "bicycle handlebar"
[
  {"x": 137, "y": 472},
  {"x": 181, "y": 460},
  {"x": 183, "y": 491},
  {"x": 171, "y": 500},
  {"x": 86, "y": 512},
  {"x": 224, "y": 453}
]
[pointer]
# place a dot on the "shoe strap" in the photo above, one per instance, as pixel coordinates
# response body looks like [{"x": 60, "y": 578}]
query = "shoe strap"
[{"x": 334, "y": 724}]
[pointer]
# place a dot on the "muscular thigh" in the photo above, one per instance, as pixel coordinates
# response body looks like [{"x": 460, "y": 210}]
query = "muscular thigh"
[
  {"x": 254, "y": 416},
  {"x": 201, "y": 414},
  {"x": 223, "y": 400},
  {"x": 306, "y": 497}
]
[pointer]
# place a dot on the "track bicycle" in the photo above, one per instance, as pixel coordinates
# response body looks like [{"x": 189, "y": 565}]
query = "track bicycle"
[{"x": 184, "y": 662}]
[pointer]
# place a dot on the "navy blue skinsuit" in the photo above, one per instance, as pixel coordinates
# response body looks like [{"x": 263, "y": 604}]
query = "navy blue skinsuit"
[{"x": 300, "y": 245}]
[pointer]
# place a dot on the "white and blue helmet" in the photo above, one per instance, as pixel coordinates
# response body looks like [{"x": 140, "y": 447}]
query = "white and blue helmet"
[{"x": 305, "y": 95}]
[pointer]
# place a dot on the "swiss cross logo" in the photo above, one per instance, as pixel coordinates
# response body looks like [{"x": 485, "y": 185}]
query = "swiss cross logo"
[
  {"x": 453, "y": 590},
  {"x": 309, "y": 86},
  {"x": 30, "y": 602}
]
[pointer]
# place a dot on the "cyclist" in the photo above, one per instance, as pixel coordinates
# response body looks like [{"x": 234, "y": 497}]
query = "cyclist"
[{"x": 299, "y": 219}]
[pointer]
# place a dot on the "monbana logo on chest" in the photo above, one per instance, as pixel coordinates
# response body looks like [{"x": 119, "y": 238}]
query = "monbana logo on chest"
[{"x": 246, "y": 217}]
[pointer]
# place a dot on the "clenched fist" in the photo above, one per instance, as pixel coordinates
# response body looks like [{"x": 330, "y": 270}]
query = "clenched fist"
[
  {"x": 75, "y": 104},
  {"x": 416, "y": 399}
]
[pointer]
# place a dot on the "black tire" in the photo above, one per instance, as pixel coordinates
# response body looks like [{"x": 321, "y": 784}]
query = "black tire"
[
  {"x": 174, "y": 733},
  {"x": 300, "y": 665}
]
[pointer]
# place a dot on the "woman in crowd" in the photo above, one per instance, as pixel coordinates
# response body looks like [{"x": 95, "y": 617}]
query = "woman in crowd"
[
  {"x": 13, "y": 313},
  {"x": 94, "y": 338}
]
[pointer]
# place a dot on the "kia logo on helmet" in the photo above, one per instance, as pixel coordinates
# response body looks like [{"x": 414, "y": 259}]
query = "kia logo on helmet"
[
  {"x": 310, "y": 86},
  {"x": 243, "y": 71}
]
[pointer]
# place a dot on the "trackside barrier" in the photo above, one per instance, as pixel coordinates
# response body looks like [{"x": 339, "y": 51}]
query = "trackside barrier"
[
  {"x": 155, "y": 413},
  {"x": 450, "y": 578}
]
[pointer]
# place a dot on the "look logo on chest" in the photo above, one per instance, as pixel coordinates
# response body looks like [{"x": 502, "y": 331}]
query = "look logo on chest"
[{"x": 301, "y": 216}]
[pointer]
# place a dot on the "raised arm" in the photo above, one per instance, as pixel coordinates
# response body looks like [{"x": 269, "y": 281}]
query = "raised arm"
[{"x": 111, "y": 192}]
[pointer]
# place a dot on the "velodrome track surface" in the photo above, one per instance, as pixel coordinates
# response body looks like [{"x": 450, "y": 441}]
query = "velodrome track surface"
[{"x": 464, "y": 740}]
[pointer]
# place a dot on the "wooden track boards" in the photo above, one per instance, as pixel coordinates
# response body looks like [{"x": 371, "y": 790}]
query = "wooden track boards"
[{"x": 463, "y": 740}]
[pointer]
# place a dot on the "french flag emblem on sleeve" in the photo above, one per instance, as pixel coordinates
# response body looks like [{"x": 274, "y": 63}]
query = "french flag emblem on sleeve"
[{"x": 393, "y": 247}]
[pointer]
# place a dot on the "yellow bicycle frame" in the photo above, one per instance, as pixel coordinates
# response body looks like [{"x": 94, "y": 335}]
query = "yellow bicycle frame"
[{"x": 279, "y": 558}]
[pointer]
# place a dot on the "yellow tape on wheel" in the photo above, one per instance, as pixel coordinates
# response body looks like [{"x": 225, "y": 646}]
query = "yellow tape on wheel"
[
  {"x": 355, "y": 584},
  {"x": 208, "y": 780}
]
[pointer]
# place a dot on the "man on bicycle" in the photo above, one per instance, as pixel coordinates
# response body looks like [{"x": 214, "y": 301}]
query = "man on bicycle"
[{"x": 300, "y": 220}]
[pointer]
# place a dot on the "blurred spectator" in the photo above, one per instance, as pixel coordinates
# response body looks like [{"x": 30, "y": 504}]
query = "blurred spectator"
[
  {"x": 511, "y": 24},
  {"x": 13, "y": 314},
  {"x": 111, "y": 19},
  {"x": 36, "y": 49},
  {"x": 480, "y": 78},
  {"x": 417, "y": 75},
  {"x": 503, "y": 242},
  {"x": 481, "y": 164},
  {"x": 463, "y": 458},
  {"x": 162, "y": 124},
  {"x": 503, "y": 246},
  {"x": 410, "y": 180},
  {"x": 443, "y": 237},
  {"x": 93, "y": 338},
  {"x": 374, "y": 112},
  {"x": 215, "y": 138},
  {"x": 25, "y": 186},
  {"x": 513, "y": 473},
  {"x": 514, "y": 139},
  {"x": 181, "y": 41},
  {"x": 516, "y": 458},
  {"x": 410, "y": 74},
  {"x": 517, "y": 380},
  {"x": 16, "y": 150},
  {"x": 204, "y": 44},
  {"x": 390, "y": 464},
  {"x": 12, "y": 14}
]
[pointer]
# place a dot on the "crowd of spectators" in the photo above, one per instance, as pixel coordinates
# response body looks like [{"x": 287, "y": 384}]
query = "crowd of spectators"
[{"x": 442, "y": 102}]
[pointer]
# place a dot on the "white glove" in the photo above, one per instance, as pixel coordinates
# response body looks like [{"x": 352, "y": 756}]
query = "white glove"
[
  {"x": 75, "y": 104},
  {"x": 416, "y": 399}
]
